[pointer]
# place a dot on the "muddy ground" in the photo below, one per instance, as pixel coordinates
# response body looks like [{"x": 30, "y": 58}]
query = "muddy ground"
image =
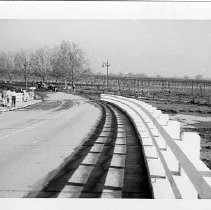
[{"x": 193, "y": 117}]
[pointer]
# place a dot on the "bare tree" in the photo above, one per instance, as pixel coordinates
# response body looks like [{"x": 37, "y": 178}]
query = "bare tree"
[
  {"x": 60, "y": 61},
  {"x": 130, "y": 74},
  {"x": 198, "y": 76},
  {"x": 120, "y": 74},
  {"x": 7, "y": 64},
  {"x": 41, "y": 63},
  {"x": 23, "y": 63},
  {"x": 141, "y": 75},
  {"x": 64, "y": 62},
  {"x": 68, "y": 61}
]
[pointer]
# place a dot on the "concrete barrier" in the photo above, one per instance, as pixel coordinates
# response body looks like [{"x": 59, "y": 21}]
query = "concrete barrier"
[
  {"x": 173, "y": 129},
  {"x": 173, "y": 158}
]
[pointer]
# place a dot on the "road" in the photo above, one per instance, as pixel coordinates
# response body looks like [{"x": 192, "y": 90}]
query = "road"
[
  {"x": 109, "y": 164},
  {"x": 36, "y": 141}
]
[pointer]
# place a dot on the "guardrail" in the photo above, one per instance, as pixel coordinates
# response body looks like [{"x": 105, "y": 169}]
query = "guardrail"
[{"x": 175, "y": 168}]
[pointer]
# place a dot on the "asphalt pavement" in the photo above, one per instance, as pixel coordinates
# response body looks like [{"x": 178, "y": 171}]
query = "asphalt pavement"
[{"x": 37, "y": 140}]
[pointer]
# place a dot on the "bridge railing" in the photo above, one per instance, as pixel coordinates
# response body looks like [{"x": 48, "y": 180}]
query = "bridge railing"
[{"x": 175, "y": 168}]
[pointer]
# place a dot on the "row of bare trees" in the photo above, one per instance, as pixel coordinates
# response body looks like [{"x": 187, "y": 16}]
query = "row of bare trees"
[{"x": 62, "y": 62}]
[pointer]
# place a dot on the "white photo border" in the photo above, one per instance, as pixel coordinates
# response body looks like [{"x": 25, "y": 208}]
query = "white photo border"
[{"x": 103, "y": 10}]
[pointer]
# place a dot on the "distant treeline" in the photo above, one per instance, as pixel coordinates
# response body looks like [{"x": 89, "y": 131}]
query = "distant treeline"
[{"x": 58, "y": 62}]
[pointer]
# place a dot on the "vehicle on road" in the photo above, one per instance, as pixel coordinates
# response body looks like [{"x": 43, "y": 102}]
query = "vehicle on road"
[{"x": 42, "y": 85}]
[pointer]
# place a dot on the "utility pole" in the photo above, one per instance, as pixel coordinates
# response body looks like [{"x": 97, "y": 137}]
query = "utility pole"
[
  {"x": 72, "y": 66},
  {"x": 73, "y": 85},
  {"x": 119, "y": 86},
  {"x": 26, "y": 73},
  {"x": 107, "y": 65}
]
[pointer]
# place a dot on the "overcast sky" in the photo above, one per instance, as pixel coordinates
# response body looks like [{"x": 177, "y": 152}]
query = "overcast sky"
[{"x": 165, "y": 47}]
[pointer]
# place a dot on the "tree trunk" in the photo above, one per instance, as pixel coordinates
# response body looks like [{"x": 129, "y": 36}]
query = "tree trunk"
[
  {"x": 9, "y": 77},
  {"x": 25, "y": 83},
  {"x": 43, "y": 79}
]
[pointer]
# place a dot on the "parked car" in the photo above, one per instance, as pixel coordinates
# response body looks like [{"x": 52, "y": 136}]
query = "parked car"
[
  {"x": 42, "y": 85},
  {"x": 52, "y": 87}
]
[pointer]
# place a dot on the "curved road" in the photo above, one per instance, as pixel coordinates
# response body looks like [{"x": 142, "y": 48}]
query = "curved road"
[
  {"x": 70, "y": 147},
  {"x": 35, "y": 142},
  {"x": 109, "y": 164}
]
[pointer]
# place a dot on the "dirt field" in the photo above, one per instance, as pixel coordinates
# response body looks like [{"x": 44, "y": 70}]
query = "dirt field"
[{"x": 193, "y": 117}]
